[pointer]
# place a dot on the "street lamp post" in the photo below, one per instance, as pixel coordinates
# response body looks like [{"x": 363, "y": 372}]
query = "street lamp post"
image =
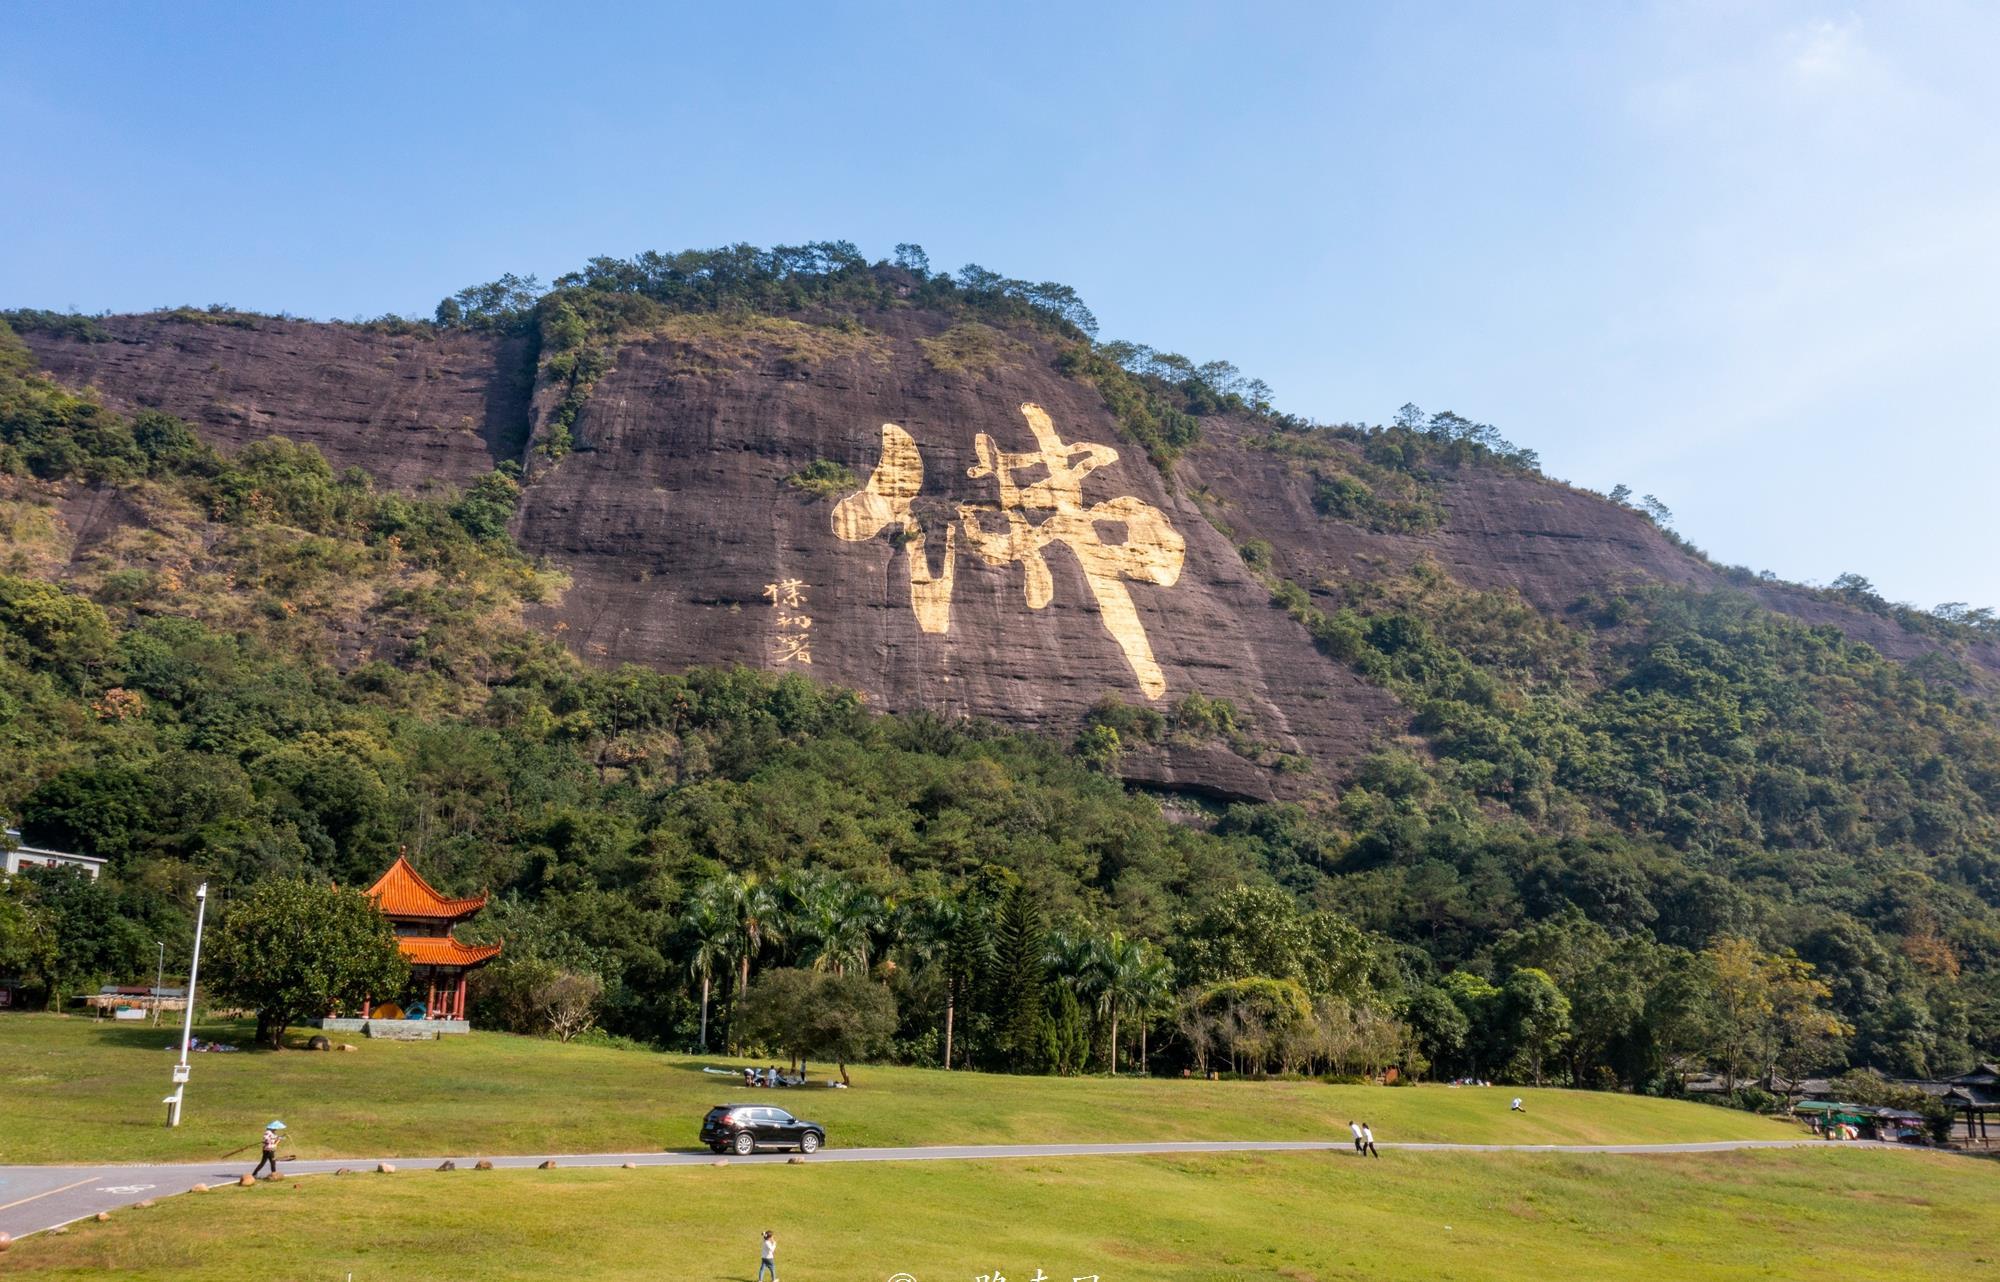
[
  {"x": 159, "y": 978},
  {"x": 173, "y": 1101}
]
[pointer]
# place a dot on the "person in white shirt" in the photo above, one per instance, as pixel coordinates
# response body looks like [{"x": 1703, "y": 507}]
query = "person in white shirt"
[
  {"x": 1367, "y": 1144},
  {"x": 770, "y": 1264},
  {"x": 1356, "y": 1128},
  {"x": 1517, "y": 1107},
  {"x": 272, "y": 1134}
]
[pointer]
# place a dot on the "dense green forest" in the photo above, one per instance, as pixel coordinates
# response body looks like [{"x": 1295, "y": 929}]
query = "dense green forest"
[{"x": 1663, "y": 831}]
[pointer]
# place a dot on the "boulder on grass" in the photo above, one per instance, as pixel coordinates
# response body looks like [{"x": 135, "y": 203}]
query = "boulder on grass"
[
  {"x": 549, "y": 1165},
  {"x": 319, "y": 1042},
  {"x": 199, "y": 1188},
  {"x": 795, "y": 1161},
  {"x": 447, "y": 1165},
  {"x": 246, "y": 1181},
  {"x": 143, "y": 1205},
  {"x": 630, "y": 1166},
  {"x": 5, "y": 1241},
  {"x": 482, "y": 1165},
  {"x": 347, "y": 1046},
  {"x": 103, "y": 1217},
  {"x": 385, "y": 1169}
]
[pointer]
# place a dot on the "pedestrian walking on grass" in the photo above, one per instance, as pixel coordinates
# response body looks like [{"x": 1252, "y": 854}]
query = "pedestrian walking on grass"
[
  {"x": 770, "y": 1264},
  {"x": 272, "y": 1134},
  {"x": 1356, "y": 1128},
  {"x": 1368, "y": 1141}
]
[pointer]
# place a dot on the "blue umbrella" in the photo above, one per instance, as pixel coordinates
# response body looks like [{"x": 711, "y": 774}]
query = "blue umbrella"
[{"x": 275, "y": 1126}]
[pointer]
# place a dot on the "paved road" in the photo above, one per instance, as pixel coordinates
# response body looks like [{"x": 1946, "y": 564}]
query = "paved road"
[{"x": 35, "y": 1198}]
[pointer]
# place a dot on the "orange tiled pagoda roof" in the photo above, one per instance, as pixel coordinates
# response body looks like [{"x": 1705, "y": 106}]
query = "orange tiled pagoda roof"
[
  {"x": 402, "y": 892},
  {"x": 443, "y": 950}
]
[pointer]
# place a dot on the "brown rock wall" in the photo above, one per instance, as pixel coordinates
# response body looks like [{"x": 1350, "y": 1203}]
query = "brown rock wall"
[
  {"x": 411, "y": 409},
  {"x": 675, "y": 519}
]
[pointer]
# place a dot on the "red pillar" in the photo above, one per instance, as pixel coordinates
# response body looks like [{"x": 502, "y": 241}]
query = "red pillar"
[
  {"x": 461, "y": 996},
  {"x": 367, "y": 1004},
  {"x": 430, "y": 1004}
]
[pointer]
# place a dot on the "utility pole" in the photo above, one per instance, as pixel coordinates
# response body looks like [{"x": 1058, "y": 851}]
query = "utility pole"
[
  {"x": 159, "y": 978},
  {"x": 173, "y": 1101}
]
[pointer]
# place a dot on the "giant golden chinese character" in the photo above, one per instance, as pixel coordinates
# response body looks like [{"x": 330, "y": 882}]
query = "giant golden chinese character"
[
  {"x": 1150, "y": 549},
  {"x": 885, "y": 502}
]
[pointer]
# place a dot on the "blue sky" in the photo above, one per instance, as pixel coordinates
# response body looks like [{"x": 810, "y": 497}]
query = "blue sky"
[{"x": 1741, "y": 256}]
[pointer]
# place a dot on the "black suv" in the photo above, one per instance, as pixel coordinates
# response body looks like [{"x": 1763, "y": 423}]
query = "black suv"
[{"x": 749, "y": 1127}]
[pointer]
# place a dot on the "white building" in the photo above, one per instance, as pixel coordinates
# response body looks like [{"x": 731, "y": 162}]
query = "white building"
[{"x": 21, "y": 856}]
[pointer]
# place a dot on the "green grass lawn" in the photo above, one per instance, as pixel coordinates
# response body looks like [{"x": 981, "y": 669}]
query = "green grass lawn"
[
  {"x": 97, "y": 1086},
  {"x": 1308, "y": 1217}
]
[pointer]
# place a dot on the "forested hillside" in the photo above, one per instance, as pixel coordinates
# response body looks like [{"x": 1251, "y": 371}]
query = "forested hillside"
[{"x": 1448, "y": 766}]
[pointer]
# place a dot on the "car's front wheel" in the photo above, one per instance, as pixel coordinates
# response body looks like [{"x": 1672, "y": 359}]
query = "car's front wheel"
[
  {"x": 809, "y": 1143},
  {"x": 746, "y": 1143}
]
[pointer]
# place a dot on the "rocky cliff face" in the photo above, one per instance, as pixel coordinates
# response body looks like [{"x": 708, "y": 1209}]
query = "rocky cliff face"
[
  {"x": 1001, "y": 550},
  {"x": 688, "y": 543},
  {"x": 409, "y": 408},
  {"x": 1553, "y": 544}
]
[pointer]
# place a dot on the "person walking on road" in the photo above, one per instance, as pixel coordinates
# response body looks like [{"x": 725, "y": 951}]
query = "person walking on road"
[
  {"x": 1356, "y": 1128},
  {"x": 272, "y": 1134},
  {"x": 1368, "y": 1141},
  {"x": 770, "y": 1264}
]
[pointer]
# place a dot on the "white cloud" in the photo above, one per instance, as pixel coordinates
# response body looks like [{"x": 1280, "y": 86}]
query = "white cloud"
[{"x": 1827, "y": 52}]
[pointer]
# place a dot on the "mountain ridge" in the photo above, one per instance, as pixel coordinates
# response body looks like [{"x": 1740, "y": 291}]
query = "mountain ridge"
[{"x": 684, "y": 444}]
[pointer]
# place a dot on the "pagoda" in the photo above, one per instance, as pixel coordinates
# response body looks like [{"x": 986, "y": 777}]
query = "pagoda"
[{"x": 423, "y": 920}]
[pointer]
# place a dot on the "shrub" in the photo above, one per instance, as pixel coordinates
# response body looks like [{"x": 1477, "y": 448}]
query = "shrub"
[{"x": 824, "y": 478}]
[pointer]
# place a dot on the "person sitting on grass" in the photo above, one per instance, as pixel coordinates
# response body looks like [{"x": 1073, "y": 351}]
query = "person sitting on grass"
[{"x": 1517, "y": 1106}]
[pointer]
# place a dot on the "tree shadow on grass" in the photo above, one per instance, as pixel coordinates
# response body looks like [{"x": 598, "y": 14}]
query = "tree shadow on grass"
[
  {"x": 129, "y": 1036},
  {"x": 698, "y": 1066}
]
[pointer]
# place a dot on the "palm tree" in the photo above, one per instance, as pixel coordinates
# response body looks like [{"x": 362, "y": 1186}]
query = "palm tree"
[
  {"x": 1153, "y": 994},
  {"x": 711, "y": 932},
  {"x": 1119, "y": 963},
  {"x": 1077, "y": 961},
  {"x": 948, "y": 935},
  {"x": 753, "y": 910},
  {"x": 807, "y": 898},
  {"x": 841, "y": 921}
]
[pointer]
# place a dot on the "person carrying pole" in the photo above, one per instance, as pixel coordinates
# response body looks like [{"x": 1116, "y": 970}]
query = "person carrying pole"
[{"x": 272, "y": 1134}]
